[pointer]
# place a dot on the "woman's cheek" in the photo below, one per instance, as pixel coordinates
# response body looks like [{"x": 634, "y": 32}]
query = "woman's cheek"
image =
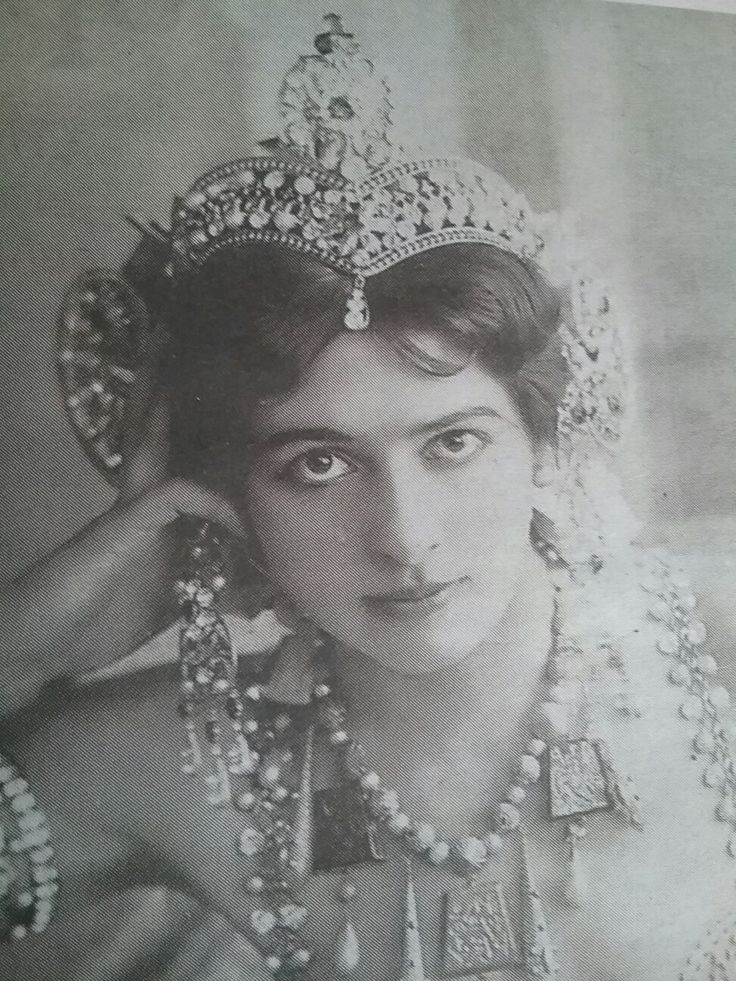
[
  {"x": 493, "y": 501},
  {"x": 299, "y": 538}
]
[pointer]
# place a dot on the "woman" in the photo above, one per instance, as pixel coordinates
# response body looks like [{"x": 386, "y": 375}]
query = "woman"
[{"x": 504, "y": 672}]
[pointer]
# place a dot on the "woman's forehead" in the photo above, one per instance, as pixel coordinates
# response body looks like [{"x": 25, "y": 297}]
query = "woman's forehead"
[{"x": 362, "y": 384}]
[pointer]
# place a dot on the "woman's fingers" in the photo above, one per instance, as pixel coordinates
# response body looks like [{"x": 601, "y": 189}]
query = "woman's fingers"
[
  {"x": 181, "y": 497},
  {"x": 146, "y": 448},
  {"x": 148, "y": 464}
]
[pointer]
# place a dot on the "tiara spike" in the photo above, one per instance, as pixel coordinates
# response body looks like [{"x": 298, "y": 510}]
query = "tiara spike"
[
  {"x": 151, "y": 229},
  {"x": 335, "y": 106}
]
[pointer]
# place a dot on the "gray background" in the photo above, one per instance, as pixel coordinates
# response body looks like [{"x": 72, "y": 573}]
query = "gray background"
[{"x": 624, "y": 113}]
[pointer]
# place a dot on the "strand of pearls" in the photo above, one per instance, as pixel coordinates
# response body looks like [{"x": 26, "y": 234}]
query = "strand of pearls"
[
  {"x": 273, "y": 802},
  {"x": 274, "y": 836},
  {"x": 421, "y": 838},
  {"x": 705, "y": 701},
  {"x": 28, "y": 892}
]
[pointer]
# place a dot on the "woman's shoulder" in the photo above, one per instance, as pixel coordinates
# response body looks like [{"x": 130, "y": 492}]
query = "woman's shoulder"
[
  {"x": 674, "y": 734},
  {"x": 61, "y": 811},
  {"x": 658, "y": 692},
  {"x": 102, "y": 758},
  {"x": 669, "y": 699},
  {"x": 72, "y": 725},
  {"x": 144, "y": 682}
]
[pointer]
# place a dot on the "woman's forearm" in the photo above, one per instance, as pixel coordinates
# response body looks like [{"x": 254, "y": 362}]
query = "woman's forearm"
[
  {"x": 99, "y": 595},
  {"x": 48, "y": 611}
]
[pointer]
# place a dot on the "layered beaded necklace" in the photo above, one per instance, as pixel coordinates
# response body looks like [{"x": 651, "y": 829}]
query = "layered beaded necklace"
[{"x": 294, "y": 830}]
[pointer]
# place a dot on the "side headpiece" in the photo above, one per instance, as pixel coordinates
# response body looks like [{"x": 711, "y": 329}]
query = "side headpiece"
[{"x": 338, "y": 186}]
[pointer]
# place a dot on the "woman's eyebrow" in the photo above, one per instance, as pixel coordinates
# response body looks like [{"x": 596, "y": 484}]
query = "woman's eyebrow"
[
  {"x": 286, "y": 436},
  {"x": 454, "y": 418}
]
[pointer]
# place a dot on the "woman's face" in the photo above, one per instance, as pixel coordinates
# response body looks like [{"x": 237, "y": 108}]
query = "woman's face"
[{"x": 392, "y": 506}]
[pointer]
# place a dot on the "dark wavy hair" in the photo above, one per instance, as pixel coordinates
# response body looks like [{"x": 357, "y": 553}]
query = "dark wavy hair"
[{"x": 247, "y": 324}]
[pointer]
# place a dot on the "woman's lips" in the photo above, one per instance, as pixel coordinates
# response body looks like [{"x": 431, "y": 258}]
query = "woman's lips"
[{"x": 413, "y": 602}]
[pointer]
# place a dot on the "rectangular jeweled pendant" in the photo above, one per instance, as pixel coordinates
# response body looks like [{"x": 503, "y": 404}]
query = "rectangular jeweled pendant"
[
  {"x": 576, "y": 780},
  {"x": 477, "y": 932},
  {"x": 343, "y": 833}
]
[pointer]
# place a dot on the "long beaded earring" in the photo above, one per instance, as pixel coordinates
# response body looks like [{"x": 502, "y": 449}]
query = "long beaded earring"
[{"x": 209, "y": 696}]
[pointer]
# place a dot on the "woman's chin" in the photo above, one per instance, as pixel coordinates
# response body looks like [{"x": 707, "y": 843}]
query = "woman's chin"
[
  {"x": 412, "y": 663},
  {"x": 425, "y": 646},
  {"x": 417, "y": 638}
]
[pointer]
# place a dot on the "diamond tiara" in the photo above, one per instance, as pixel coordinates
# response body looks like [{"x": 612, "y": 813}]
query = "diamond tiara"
[
  {"x": 338, "y": 187},
  {"x": 360, "y": 229}
]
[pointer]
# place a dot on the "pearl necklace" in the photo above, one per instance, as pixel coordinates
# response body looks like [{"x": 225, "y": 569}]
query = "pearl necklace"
[
  {"x": 470, "y": 854},
  {"x": 262, "y": 755},
  {"x": 421, "y": 837}
]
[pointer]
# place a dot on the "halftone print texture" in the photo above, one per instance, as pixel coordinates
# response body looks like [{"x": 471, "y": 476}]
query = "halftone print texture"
[{"x": 366, "y": 504}]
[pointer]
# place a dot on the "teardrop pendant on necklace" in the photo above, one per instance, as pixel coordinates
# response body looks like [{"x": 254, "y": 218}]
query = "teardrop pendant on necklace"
[
  {"x": 575, "y": 886},
  {"x": 301, "y": 851},
  {"x": 539, "y": 962},
  {"x": 347, "y": 950},
  {"x": 412, "y": 965}
]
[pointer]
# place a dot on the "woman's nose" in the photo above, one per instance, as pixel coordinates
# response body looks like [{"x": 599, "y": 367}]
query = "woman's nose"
[{"x": 402, "y": 525}]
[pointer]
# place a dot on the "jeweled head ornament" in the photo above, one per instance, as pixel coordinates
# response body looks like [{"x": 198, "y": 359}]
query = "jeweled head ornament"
[{"x": 337, "y": 185}]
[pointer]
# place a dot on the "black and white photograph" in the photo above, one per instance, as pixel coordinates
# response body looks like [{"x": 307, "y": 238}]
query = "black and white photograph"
[{"x": 367, "y": 468}]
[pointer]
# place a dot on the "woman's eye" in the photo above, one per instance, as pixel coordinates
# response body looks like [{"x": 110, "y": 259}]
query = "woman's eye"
[
  {"x": 456, "y": 445},
  {"x": 317, "y": 467}
]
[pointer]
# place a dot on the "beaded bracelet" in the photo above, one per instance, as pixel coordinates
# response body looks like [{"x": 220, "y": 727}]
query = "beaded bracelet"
[{"x": 28, "y": 876}]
